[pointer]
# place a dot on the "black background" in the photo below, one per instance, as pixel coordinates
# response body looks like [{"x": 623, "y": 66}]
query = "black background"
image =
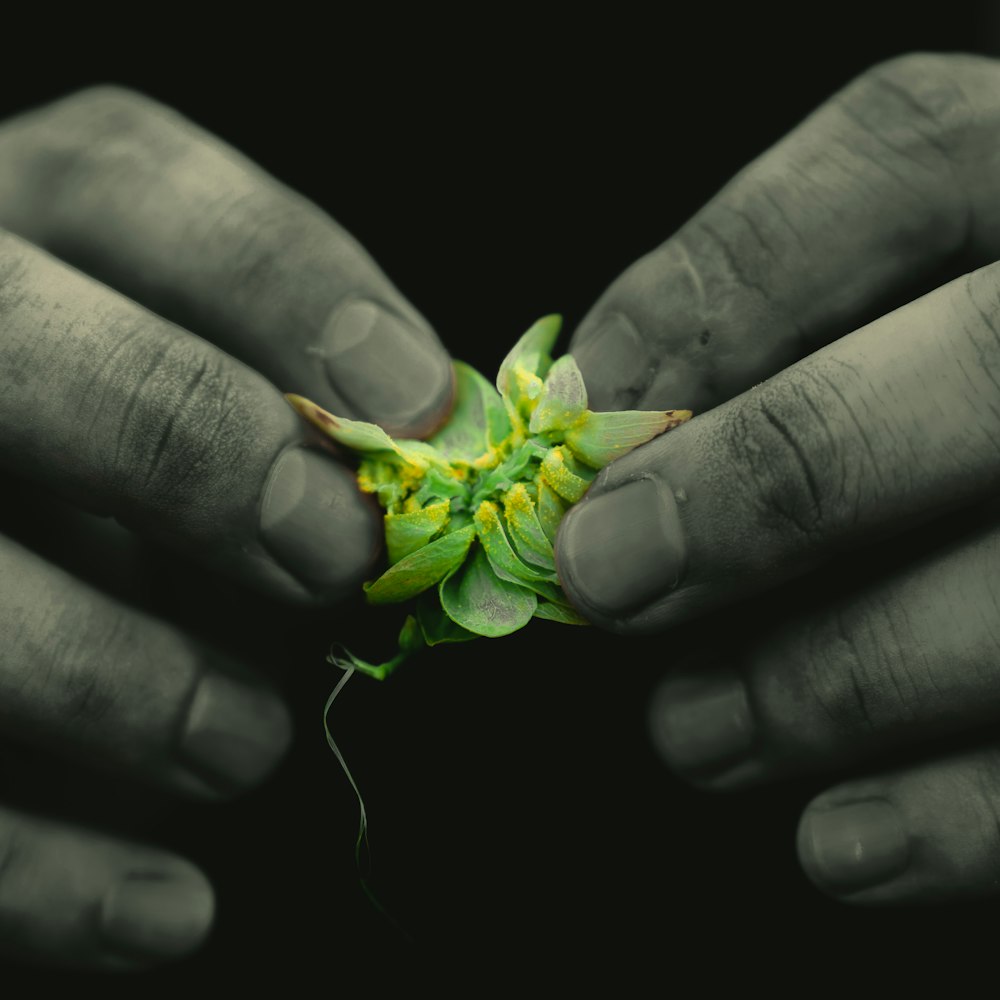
[{"x": 498, "y": 170}]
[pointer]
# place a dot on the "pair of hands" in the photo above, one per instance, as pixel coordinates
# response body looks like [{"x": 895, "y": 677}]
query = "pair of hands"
[{"x": 110, "y": 401}]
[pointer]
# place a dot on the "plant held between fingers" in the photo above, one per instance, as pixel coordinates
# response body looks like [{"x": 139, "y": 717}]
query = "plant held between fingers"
[{"x": 471, "y": 514}]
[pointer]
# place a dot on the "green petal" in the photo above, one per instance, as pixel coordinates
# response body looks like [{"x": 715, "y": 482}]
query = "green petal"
[
  {"x": 551, "y": 508},
  {"x": 475, "y": 598},
  {"x": 435, "y": 625},
  {"x": 563, "y": 400},
  {"x": 600, "y": 438},
  {"x": 526, "y": 530},
  {"x": 506, "y": 563},
  {"x": 532, "y": 353},
  {"x": 405, "y": 533},
  {"x": 559, "y": 613},
  {"x": 420, "y": 569},
  {"x": 567, "y": 477},
  {"x": 477, "y": 423}
]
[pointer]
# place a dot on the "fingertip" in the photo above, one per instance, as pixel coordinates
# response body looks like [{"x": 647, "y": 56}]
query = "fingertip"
[
  {"x": 614, "y": 360},
  {"x": 851, "y": 848},
  {"x": 389, "y": 370},
  {"x": 164, "y": 913},
  {"x": 619, "y": 551},
  {"x": 317, "y": 525},
  {"x": 234, "y": 734}
]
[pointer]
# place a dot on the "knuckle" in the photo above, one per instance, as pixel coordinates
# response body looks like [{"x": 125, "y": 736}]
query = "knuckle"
[
  {"x": 784, "y": 459},
  {"x": 101, "y": 132},
  {"x": 81, "y": 666},
  {"x": 982, "y": 781},
  {"x": 856, "y": 674},
  {"x": 924, "y": 88},
  {"x": 980, "y": 291},
  {"x": 265, "y": 234},
  {"x": 184, "y": 425},
  {"x": 917, "y": 108}
]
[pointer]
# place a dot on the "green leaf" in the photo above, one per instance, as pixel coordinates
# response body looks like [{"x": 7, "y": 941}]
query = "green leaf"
[
  {"x": 600, "y": 438},
  {"x": 559, "y": 613},
  {"x": 506, "y": 563},
  {"x": 420, "y": 569},
  {"x": 405, "y": 533},
  {"x": 551, "y": 508},
  {"x": 526, "y": 530},
  {"x": 478, "y": 422},
  {"x": 567, "y": 477},
  {"x": 532, "y": 354},
  {"x": 478, "y": 600},
  {"x": 435, "y": 625},
  {"x": 563, "y": 400}
]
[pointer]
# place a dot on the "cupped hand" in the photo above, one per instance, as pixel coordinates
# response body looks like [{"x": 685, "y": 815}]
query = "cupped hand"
[
  {"x": 158, "y": 293},
  {"x": 853, "y": 437}
]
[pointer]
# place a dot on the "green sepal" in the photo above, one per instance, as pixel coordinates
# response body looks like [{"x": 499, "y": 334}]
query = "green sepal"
[
  {"x": 559, "y": 613},
  {"x": 405, "y": 533},
  {"x": 435, "y": 625},
  {"x": 550, "y": 507},
  {"x": 478, "y": 422},
  {"x": 477, "y": 599},
  {"x": 506, "y": 563},
  {"x": 519, "y": 379},
  {"x": 525, "y": 529},
  {"x": 563, "y": 400},
  {"x": 600, "y": 438},
  {"x": 420, "y": 569},
  {"x": 357, "y": 435},
  {"x": 532, "y": 352},
  {"x": 567, "y": 477}
]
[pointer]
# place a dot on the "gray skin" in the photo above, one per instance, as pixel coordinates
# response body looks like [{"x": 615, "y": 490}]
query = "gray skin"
[
  {"x": 187, "y": 440},
  {"x": 869, "y": 426}
]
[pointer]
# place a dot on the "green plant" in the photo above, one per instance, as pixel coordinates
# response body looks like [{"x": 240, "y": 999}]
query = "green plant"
[{"x": 471, "y": 514}]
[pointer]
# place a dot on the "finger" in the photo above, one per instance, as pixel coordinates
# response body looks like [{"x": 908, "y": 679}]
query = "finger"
[
  {"x": 79, "y": 898},
  {"x": 897, "y": 663},
  {"x": 890, "y": 180},
  {"x": 875, "y": 433},
  {"x": 82, "y": 675},
  {"x": 138, "y": 196},
  {"x": 924, "y": 833},
  {"x": 129, "y": 415}
]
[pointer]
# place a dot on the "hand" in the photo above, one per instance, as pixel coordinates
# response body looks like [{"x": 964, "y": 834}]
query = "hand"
[
  {"x": 891, "y": 429},
  {"x": 129, "y": 412}
]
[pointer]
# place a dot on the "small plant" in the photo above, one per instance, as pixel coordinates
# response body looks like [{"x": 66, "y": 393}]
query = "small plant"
[{"x": 471, "y": 514}]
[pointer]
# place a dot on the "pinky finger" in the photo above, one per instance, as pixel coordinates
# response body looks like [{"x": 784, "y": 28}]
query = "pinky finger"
[
  {"x": 74, "y": 897},
  {"x": 927, "y": 833}
]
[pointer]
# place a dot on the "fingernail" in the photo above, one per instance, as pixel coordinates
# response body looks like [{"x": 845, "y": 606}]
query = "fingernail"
[
  {"x": 704, "y": 723},
  {"x": 614, "y": 363},
  {"x": 852, "y": 847},
  {"x": 234, "y": 734},
  {"x": 157, "y": 915},
  {"x": 620, "y": 550},
  {"x": 316, "y": 523},
  {"x": 390, "y": 372}
]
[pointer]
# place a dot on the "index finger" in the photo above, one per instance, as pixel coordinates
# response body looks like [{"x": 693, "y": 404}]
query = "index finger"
[
  {"x": 878, "y": 432},
  {"x": 890, "y": 181},
  {"x": 135, "y": 195}
]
